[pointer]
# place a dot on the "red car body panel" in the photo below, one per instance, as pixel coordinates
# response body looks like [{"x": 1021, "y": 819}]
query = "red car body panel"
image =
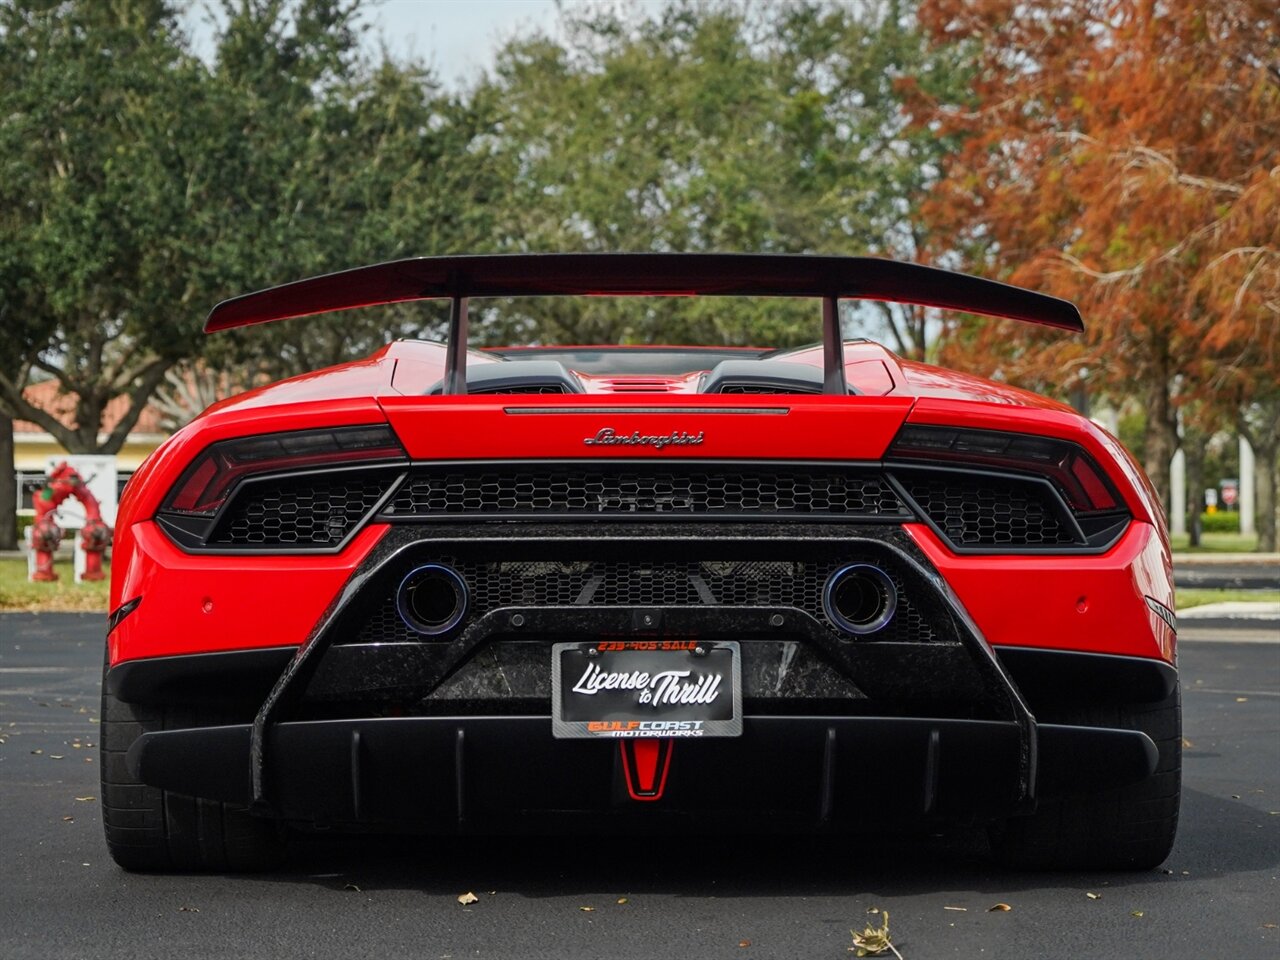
[
  {"x": 387, "y": 388},
  {"x": 202, "y": 604},
  {"x": 1093, "y": 604}
]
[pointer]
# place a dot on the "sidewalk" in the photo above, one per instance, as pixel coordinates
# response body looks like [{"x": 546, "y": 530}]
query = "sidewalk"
[
  {"x": 1210, "y": 559},
  {"x": 1234, "y": 610}
]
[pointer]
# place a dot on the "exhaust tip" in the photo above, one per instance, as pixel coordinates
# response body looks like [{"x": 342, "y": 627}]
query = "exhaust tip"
[
  {"x": 432, "y": 599},
  {"x": 860, "y": 598}
]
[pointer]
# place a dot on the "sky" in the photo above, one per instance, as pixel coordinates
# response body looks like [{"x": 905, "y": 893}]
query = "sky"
[{"x": 458, "y": 38}]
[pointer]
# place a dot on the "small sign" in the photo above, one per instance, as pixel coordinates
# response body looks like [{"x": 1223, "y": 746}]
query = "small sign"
[{"x": 1230, "y": 492}]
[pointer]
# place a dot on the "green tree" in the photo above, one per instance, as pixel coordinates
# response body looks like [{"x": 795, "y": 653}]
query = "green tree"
[
  {"x": 714, "y": 127},
  {"x": 330, "y": 161},
  {"x": 141, "y": 185},
  {"x": 101, "y": 140}
]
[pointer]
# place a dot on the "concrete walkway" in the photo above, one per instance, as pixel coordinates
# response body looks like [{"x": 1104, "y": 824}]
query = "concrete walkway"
[{"x": 1233, "y": 609}]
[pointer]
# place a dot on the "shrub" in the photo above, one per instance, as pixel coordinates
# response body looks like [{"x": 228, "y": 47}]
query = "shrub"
[{"x": 1220, "y": 522}]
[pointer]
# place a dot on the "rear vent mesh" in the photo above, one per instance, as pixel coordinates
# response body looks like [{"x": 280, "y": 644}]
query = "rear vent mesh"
[
  {"x": 308, "y": 510},
  {"x": 531, "y": 388},
  {"x": 731, "y": 491},
  {"x": 973, "y": 510}
]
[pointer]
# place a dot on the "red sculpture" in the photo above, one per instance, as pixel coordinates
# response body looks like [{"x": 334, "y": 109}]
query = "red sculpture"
[{"x": 95, "y": 535}]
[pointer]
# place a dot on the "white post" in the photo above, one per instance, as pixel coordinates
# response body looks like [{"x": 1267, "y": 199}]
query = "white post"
[
  {"x": 1246, "y": 487},
  {"x": 1178, "y": 494}
]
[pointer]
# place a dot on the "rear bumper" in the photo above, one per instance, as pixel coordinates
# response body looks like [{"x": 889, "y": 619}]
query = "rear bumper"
[{"x": 507, "y": 774}]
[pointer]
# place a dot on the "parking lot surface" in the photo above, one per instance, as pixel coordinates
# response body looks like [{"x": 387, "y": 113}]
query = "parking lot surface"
[{"x": 1217, "y": 896}]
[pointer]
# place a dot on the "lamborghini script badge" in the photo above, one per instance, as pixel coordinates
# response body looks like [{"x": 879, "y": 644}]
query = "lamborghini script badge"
[{"x": 676, "y": 438}]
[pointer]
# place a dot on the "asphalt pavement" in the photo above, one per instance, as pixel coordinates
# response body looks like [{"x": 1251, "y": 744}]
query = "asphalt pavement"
[{"x": 61, "y": 896}]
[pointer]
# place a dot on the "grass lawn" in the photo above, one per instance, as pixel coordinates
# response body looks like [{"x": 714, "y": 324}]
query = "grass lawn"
[
  {"x": 1216, "y": 543},
  {"x": 17, "y": 593},
  {"x": 1194, "y": 597}
]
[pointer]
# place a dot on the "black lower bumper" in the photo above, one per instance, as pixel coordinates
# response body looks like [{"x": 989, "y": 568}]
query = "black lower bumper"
[{"x": 453, "y": 774}]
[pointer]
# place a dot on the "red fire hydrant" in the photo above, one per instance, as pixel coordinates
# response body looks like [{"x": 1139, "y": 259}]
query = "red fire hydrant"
[{"x": 95, "y": 536}]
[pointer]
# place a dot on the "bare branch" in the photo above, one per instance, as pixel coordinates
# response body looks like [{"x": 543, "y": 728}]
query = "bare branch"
[
  {"x": 150, "y": 378},
  {"x": 20, "y": 408}
]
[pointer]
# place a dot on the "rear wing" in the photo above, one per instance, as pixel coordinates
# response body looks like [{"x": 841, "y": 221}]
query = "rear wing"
[{"x": 644, "y": 275}]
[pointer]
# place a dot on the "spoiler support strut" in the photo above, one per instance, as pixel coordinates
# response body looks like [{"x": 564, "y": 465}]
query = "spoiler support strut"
[{"x": 455, "y": 359}]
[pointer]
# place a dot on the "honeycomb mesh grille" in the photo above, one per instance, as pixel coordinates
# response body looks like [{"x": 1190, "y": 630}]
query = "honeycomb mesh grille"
[
  {"x": 690, "y": 583},
  {"x": 529, "y": 388},
  {"x": 762, "y": 388},
  {"x": 539, "y": 492},
  {"x": 973, "y": 510},
  {"x": 315, "y": 510}
]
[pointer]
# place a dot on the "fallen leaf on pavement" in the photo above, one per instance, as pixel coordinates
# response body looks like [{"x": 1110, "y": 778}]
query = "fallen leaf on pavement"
[
  {"x": 352, "y": 886},
  {"x": 960, "y": 909},
  {"x": 468, "y": 898},
  {"x": 744, "y": 943},
  {"x": 1002, "y": 907},
  {"x": 587, "y": 909},
  {"x": 68, "y": 819},
  {"x": 1137, "y": 913},
  {"x": 188, "y": 909},
  {"x": 1094, "y": 896},
  {"x": 1242, "y": 699},
  {"x": 55, "y": 756},
  {"x": 874, "y": 941},
  {"x": 622, "y": 899},
  {"x": 86, "y": 799}
]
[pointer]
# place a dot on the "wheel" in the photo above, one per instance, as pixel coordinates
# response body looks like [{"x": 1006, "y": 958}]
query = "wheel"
[
  {"x": 1125, "y": 828},
  {"x": 151, "y": 830}
]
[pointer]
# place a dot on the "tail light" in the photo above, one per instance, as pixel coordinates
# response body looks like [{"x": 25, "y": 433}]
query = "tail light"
[
  {"x": 204, "y": 487},
  {"x": 1072, "y": 471},
  {"x": 1092, "y": 502}
]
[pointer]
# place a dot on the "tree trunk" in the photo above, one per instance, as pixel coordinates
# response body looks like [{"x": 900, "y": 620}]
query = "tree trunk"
[
  {"x": 1161, "y": 440},
  {"x": 8, "y": 487},
  {"x": 1264, "y": 472},
  {"x": 1194, "y": 445}
]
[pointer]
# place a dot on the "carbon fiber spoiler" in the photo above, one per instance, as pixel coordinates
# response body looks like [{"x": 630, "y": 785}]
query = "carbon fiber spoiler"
[{"x": 644, "y": 275}]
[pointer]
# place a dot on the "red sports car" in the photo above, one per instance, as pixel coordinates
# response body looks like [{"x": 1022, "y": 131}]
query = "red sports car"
[{"x": 657, "y": 589}]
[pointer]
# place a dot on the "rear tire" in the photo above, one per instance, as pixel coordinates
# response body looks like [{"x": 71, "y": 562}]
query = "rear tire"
[
  {"x": 154, "y": 830},
  {"x": 1125, "y": 828}
]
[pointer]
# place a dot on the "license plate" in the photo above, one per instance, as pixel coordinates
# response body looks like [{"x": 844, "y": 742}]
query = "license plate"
[{"x": 646, "y": 688}]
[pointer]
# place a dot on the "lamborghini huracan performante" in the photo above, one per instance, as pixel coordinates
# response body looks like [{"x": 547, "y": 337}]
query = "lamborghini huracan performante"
[{"x": 647, "y": 589}]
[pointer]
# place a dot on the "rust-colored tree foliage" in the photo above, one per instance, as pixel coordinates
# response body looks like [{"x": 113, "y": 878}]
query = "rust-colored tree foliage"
[{"x": 1124, "y": 154}]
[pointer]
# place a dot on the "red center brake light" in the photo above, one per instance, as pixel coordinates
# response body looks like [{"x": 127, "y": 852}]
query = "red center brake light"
[
  {"x": 204, "y": 486},
  {"x": 1066, "y": 464}
]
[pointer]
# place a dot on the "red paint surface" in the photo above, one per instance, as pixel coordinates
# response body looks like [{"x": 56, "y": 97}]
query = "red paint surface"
[
  {"x": 483, "y": 427},
  {"x": 1094, "y": 604},
  {"x": 202, "y": 603}
]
